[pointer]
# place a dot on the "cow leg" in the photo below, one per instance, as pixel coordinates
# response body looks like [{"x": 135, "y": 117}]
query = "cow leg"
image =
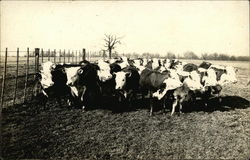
[
  {"x": 151, "y": 103},
  {"x": 151, "y": 107},
  {"x": 58, "y": 99},
  {"x": 180, "y": 108},
  {"x": 219, "y": 97},
  {"x": 174, "y": 106},
  {"x": 164, "y": 105}
]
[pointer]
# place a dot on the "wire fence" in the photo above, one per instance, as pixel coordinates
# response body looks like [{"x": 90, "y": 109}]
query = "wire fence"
[{"x": 18, "y": 69}]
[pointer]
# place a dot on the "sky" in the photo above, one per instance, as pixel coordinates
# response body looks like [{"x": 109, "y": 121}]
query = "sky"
[{"x": 145, "y": 26}]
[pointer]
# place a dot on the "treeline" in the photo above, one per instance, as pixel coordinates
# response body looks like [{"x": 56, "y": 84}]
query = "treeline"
[{"x": 191, "y": 55}]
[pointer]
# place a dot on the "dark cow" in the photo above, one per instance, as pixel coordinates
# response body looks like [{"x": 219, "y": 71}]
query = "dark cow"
[
  {"x": 174, "y": 63},
  {"x": 205, "y": 65},
  {"x": 189, "y": 67},
  {"x": 52, "y": 81},
  {"x": 127, "y": 81},
  {"x": 87, "y": 86},
  {"x": 114, "y": 67},
  {"x": 151, "y": 81}
]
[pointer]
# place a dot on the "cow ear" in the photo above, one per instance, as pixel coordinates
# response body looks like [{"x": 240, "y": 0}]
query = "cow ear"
[
  {"x": 80, "y": 71},
  {"x": 128, "y": 74}
]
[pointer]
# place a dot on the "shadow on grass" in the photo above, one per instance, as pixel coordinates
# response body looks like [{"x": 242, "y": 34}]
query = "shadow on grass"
[{"x": 225, "y": 103}]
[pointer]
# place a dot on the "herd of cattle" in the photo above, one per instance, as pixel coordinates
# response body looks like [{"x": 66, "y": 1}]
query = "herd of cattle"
[{"x": 85, "y": 84}]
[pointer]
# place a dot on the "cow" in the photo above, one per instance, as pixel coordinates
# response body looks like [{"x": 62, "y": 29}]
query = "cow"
[
  {"x": 175, "y": 64},
  {"x": 189, "y": 67},
  {"x": 205, "y": 65},
  {"x": 180, "y": 91},
  {"x": 124, "y": 63},
  {"x": 127, "y": 81},
  {"x": 108, "y": 86},
  {"x": 151, "y": 81},
  {"x": 86, "y": 83},
  {"x": 53, "y": 81},
  {"x": 114, "y": 67},
  {"x": 103, "y": 71},
  {"x": 224, "y": 74}
]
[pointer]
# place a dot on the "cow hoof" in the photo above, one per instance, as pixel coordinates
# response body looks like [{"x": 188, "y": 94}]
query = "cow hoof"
[
  {"x": 69, "y": 103},
  {"x": 83, "y": 108}
]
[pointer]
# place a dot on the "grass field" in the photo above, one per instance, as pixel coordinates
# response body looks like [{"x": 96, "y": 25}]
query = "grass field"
[{"x": 217, "y": 131}]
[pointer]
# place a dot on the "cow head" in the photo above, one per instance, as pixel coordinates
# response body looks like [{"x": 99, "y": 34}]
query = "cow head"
[
  {"x": 120, "y": 79},
  {"x": 229, "y": 76},
  {"x": 210, "y": 78},
  {"x": 46, "y": 76},
  {"x": 104, "y": 75},
  {"x": 104, "y": 71},
  {"x": 72, "y": 74},
  {"x": 193, "y": 82}
]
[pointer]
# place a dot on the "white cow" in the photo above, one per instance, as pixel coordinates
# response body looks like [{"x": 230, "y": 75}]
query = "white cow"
[{"x": 104, "y": 72}]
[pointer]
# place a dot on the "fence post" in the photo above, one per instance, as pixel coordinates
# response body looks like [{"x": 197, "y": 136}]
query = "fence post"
[
  {"x": 36, "y": 66},
  {"x": 68, "y": 56},
  {"x": 17, "y": 61},
  {"x": 4, "y": 77},
  {"x": 54, "y": 56},
  {"x": 49, "y": 55},
  {"x": 37, "y": 59},
  {"x": 26, "y": 75},
  {"x": 83, "y": 54},
  {"x": 76, "y": 56},
  {"x": 42, "y": 55},
  {"x": 60, "y": 56},
  {"x": 64, "y": 56},
  {"x": 89, "y": 55}
]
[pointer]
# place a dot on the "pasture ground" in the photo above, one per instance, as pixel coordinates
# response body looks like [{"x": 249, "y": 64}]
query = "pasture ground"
[{"x": 217, "y": 131}]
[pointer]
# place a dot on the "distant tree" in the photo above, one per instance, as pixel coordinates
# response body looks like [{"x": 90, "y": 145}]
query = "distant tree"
[
  {"x": 110, "y": 43},
  {"x": 115, "y": 54},
  {"x": 204, "y": 56},
  {"x": 243, "y": 58},
  {"x": 223, "y": 57},
  {"x": 232, "y": 58},
  {"x": 170, "y": 55},
  {"x": 190, "y": 55},
  {"x": 214, "y": 56},
  {"x": 145, "y": 55},
  {"x": 156, "y": 55},
  {"x": 135, "y": 55}
]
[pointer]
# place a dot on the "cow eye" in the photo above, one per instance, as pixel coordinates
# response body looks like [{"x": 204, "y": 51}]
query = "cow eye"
[{"x": 123, "y": 80}]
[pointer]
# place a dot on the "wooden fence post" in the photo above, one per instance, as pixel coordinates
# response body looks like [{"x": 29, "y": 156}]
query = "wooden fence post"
[
  {"x": 83, "y": 54},
  {"x": 68, "y": 56},
  {"x": 17, "y": 63},
  {"x": 76, "y": 56},
  {"x": 64, "y": 56},
  {"x": 36, "y": 66},
  {"x": 4, "y": 77},
  {"x": 54, "y": 56},
  {"x": 26, "y": 75},
  {"x": 37, "y": 60},
  {"x": 42, "y": 55},
  {"x": 60, "y": 56},
  {"x": 49, "y": 55}
]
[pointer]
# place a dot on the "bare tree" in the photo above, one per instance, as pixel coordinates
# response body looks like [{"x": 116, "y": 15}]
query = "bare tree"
[{"x": 110, "y": 43}]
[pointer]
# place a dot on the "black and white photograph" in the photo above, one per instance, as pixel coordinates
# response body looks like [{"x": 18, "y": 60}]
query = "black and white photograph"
[{"x": 111, "y": 80}]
